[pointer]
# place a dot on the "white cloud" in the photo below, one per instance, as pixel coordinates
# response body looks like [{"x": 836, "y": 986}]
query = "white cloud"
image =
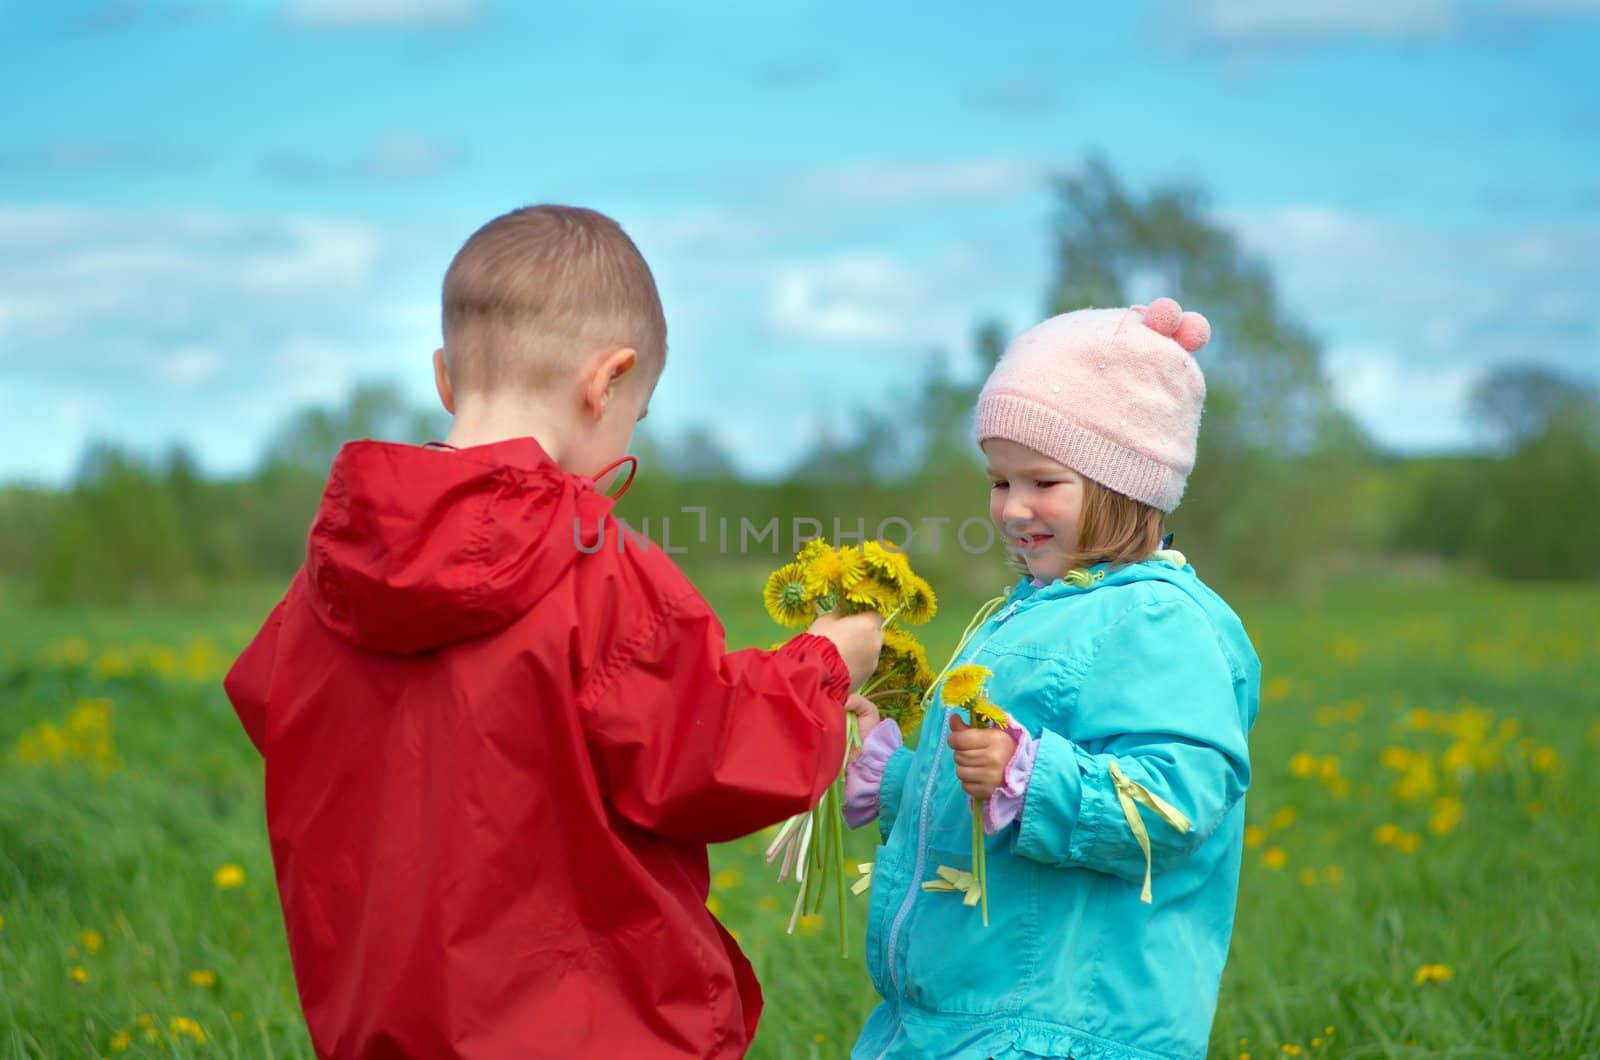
[
  {"x": 931, "y": 182},
  {"x": 381, "y": 14},
  {"x": 1413, "y": 315},
  {"x": 859, "y": 298},
  {"x": 1252, "y": 30},
  {"x": 1248, "y": 22},
  {"x": 202, "y": 325},
  {"x": 1404, "y": 404},
  {"x": 391, "y": 158},
  {"x": 187, "y": 366}
]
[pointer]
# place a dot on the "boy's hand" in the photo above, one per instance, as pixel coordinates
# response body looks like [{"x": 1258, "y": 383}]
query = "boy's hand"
[
  {"x": 858, "y": 637},
  {"x": 981, "y": 757},
  {"x": 866, "y": 712}
]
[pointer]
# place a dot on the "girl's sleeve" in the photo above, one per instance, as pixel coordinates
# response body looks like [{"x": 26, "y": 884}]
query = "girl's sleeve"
[
  {"x": 876, "y": 779},
  {"x": 1168, "y": 752}
]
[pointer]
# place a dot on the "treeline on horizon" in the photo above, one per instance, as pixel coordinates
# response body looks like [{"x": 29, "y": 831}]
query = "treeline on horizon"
[{"x": 1288, "y": 492}]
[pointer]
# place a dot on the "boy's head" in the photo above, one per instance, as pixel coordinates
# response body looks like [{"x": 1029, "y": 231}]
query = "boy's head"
[{"x": 553, "y": 308}]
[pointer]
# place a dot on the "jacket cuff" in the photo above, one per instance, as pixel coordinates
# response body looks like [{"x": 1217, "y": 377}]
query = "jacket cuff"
[
  {"x": 863, "y": 777},
  {"x": 836, "y": 675},
  {"x": 1005, "y": 805},
  {"x": 1055, "y": 795}
]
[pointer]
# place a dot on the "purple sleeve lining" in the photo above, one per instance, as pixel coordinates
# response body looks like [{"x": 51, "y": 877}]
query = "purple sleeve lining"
[
  {"x": 1005, "y": 805},
  {"x": 864, "y": 776}
]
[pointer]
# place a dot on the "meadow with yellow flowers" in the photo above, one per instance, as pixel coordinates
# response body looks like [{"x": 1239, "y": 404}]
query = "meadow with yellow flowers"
[{"x": 1420, "y": 878}]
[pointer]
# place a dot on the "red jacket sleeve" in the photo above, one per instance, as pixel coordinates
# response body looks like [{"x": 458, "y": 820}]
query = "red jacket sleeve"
[
  {"x": 696, "y": 743},
  {"x": 251, "y": 675}
]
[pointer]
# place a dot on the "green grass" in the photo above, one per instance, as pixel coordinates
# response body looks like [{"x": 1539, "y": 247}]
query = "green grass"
[{"x": 1333, "y": 925}]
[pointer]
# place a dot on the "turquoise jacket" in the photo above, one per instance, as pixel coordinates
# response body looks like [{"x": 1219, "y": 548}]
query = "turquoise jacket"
[{"x": 1144, "y": 668}]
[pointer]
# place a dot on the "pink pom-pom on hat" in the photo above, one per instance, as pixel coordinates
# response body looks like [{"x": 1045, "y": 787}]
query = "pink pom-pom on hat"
[{"x": 1189, "y": 330}]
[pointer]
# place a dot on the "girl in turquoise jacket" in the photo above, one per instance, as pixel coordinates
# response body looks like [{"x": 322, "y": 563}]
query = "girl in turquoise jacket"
[{"x": 1113, "y": 803}]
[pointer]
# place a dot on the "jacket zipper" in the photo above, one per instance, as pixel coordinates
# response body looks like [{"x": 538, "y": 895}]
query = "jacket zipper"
[{"x": 922, "y": 827}]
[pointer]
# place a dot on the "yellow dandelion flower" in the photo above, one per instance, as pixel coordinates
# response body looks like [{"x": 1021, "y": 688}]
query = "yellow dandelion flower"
[
  {"x": 919, "y": 602},
  {"x": 183, "y": 1026},
  {"x": 228, "y": 877},
  {"x": 1433, "y": 973},
  {"x": 120, "y": 1042},
  {"x": 1303, "y": 764},
  {"x": 1291, "y": 1050},
  {"x": 904, "y": 657},
  {"x": 834, "y": 570},
  {"x": 1447, "y": 814},
  {"x": 78, "y": 975},
  {"x": 891, "y": 563},
  {"x": 810, "y": 924},
  {"x": 1275, "y": 858},
  {"x": 714, "y": 905},
  {"x": 90, "y": 940},
  {"x": 786, "y": 598},
  {"x": 1395, "y": 758},
  {"x": 1386, "y": 834},
  {"x": 1408, "y": 842},
  {"x": 817, "y": 546},
  {"x": 873, "y": 594},
  {"x": 985, "y": 713},
  {"x": 146, "y": 1021},
  {"x": 1254, "y": 836},
  {"x": 2, "y": 923},
  {"x": 1285, "y": 817},
  {"x": 201, "y": 977},
  {"x": 727, "y": 878},
  {"x": 1545, "y": 760},
  {"x": 963, "y": 685},
  {"x": 1276, "y": 689}
]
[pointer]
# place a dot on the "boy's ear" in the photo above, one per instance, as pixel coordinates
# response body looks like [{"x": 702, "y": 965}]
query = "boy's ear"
[
  {"x": 602, "y": 383},
  {"x": 441, "y": 382}
]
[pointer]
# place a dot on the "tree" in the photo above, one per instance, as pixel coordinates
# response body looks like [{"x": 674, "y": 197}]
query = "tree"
[
  {"x": 1521, "y": 403},
  {"x": 310, "y": 439},
  {"x": 1276, "y": 451}
]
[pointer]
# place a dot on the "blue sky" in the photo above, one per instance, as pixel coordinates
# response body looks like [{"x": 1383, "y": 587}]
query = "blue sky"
[{"x": 212, "y": 214}]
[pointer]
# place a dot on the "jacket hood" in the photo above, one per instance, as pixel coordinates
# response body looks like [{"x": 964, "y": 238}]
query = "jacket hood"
[{"x": 414, "y": 548}]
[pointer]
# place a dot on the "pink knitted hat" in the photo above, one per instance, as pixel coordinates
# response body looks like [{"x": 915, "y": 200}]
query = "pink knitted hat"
[{"x": 1111, "y": 393}]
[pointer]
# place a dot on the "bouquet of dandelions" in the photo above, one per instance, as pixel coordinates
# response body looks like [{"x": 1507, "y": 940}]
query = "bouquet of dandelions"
[
  {"x": 849, "y": 580},
  {"x": 962, "y": 689}
]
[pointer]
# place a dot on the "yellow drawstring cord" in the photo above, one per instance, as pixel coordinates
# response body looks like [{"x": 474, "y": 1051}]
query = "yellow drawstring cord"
[{"x": 1130, "y": 792}]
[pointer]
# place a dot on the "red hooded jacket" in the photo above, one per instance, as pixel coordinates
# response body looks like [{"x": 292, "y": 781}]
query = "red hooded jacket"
[{"x": 494, "y": 759}]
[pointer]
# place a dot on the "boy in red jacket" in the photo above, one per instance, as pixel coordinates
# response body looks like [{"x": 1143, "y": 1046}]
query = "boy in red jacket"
[{"x": 495, "y": 752}]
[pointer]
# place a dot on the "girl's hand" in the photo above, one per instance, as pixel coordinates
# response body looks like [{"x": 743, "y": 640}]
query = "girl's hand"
[
  {"x": 981, "y": 757},
  {"x": 866, "y": 712}
]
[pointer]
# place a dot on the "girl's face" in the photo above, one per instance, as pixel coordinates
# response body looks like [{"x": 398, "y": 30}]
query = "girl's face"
[{"x": 1036, "y": 503}]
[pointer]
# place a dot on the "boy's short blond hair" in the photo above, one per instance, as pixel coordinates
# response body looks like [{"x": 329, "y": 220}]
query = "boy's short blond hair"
[{"x": 535, "y": 291}]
